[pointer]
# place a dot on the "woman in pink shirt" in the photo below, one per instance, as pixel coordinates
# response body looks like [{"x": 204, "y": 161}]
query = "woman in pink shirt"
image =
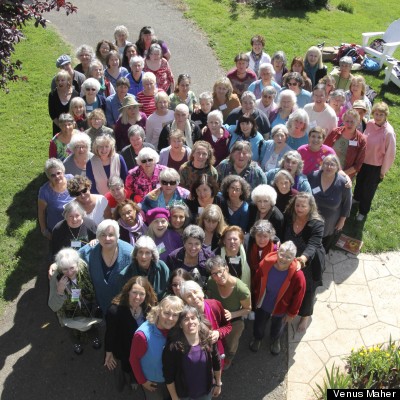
[{"x": 379, "y": 157}]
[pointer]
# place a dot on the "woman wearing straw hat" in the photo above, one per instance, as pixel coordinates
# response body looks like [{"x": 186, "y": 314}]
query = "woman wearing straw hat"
[{"x": 130, "y": 115}]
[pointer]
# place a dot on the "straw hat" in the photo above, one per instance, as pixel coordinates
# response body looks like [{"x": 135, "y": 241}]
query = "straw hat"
[{"x": 128, "y": 102}]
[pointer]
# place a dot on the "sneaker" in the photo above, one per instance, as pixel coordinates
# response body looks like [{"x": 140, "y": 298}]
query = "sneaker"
[
  {"x": 255, "y": 345},
  {"x": 275, "y": 347},
  {"x": 78, "y": 349},
  {"x": 360, "y": 217},
  {"x": 96, "y": 344}
]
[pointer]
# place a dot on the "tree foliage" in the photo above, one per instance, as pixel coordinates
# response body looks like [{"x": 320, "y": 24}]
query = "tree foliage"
[{"x": 14, "y": 14}]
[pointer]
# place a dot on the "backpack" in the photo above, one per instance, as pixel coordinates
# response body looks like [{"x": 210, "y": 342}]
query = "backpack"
[
  {"x": 352, "y": 50},
  {"x": 377, "y": 45},
  {"x": 370, "y": 65}
]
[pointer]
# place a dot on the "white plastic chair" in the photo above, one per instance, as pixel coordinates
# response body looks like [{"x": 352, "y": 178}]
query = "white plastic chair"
[{"x": 391, "y": 37}]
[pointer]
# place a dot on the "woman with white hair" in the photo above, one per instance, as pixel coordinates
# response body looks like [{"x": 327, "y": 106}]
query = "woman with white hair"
[
  {"x": 108, "y": 262},
  {"x": 293, "y": 163},
  {"x": 85, "y": 54},
  {"x": 136, "y": 136},
  {"x": 183, "y": 123},
  {"x": 72, "y": 296},
  {"x": 146, "y": 262},
  {"x": 263, "y": 199},
  {"x": 168, "y": 192},
  {"x": 74, "y": 231},
  {"x": 266, "y": 103},
  {"x": 287, "y": 103},
  {"x": 145, "y": 177},
  {"x": 279, "y": 294},
  {"x": 314, "y": 66},
  {"x": 297, "y": 127},
  {"x": 75, "y": 163},
  {"x": 266, "y": 74},
  {"x": 217, "y": 135},
  {"x": 146, "y": 96},
  {"x": 104, "y": 164},
  {"x": 177, "y": 153},
  {"x": 274, "y": 149},
  {"x": 96, "y": 71},
  {"x": 129, "y": 115},
  {"x": 90, "y": 93},
  {"x": 135, "y": 77}
]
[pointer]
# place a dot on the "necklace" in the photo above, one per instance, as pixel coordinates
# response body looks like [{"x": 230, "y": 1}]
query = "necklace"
[
  {"x": 136, "y": 313},
  {"x": 112, "y": 259},
  {"x": 77, "y": 236}
]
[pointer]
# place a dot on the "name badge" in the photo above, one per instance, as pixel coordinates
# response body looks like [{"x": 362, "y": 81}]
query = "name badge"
[
  {"x": 75, "y": 294},
  {"x": 200, "y": 210},
  {"x": 89, "y": 108},
  {"x": 234, "y": 260},
  {"x": 161, "y": 248},
  {"x": 223, "y": 107},
  {"x": 316, "y": 190},
  {"x": 313, "y": 124},
  {"x": 353, "y": 143},
  {"x": 76, "y": 244}
]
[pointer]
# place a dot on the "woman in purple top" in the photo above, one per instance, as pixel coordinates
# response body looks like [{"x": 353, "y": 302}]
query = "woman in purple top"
[
  {"x": 315, "y": 151},
  {"x": 191, "y": 363}
]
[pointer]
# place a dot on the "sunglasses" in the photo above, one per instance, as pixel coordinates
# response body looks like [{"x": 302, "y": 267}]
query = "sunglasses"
[
  {"x": 77, "y": 194},
  {"x": 146, "y": 160},
  {"x": 167, "y": 183}
]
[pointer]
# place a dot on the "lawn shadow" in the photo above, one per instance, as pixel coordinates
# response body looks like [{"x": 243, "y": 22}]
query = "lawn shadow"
[
  {"x": 34, "y": 247},
  {"x": 280, "y": 13}
]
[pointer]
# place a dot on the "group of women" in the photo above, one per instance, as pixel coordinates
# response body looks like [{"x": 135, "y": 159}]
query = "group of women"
[{"x": 176, "y": 223}]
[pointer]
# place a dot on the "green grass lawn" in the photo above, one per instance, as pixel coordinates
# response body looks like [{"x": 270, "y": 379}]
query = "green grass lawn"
[
  {"x": 25, "y": 128},
  {"x": 229, "y": 27}
]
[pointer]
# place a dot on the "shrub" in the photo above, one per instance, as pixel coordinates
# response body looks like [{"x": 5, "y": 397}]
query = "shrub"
[
  {"x": 342, "y": 6},
  {"x": 335, "y": 379}
]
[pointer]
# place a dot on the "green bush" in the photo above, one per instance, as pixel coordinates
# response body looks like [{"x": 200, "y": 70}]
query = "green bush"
[
  {"x": 335, "y": 379},
  {"x": 342, "y": 6},
  {"x": 290, "y": 4}
]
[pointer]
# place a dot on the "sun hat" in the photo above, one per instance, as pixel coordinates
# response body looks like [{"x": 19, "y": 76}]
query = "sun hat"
[
  {"x": 360, "y": 104},
  {"x": 129, "y": 101}
]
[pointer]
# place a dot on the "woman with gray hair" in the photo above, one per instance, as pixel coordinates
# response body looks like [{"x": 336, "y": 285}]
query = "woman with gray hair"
[
  {"x": 146, "y": 262},
  {"x": 199, "y": 117},
  {"x": 293, "y": 163},
  {"x": 136, "y": 65},
  {"x": 136, "y": 137},
  {"x": 193, "y": 255},
  {"x": 168, "y": 192},
  {"x": 343, "y": 75},
  {"x": 266, "y": 78},
  {"x": 75, "y": 164},
  {"x": 90, "y": 93},
  {"x": 108, "y": 262},
  {"x": 58, "y": 147},
  {"x": 336, "y": 100},
  {"x": 287, "y": 104},
  {"x": 145, "y": 177},
  {"x": 217, "y": 135},
  {"x": 104, "y": 164},
  {"x": 146, "y": 96},
  {"x": 277, "y": 273},
  {"x": 74, "y": 231},
  {"x": 240, "y": 163},
  {"x": 177, "y": 153},
  {"x": 274, "y": 149},
  {"x": 294, "y": 81},
  {"x": 60, "y": 98},
  {"x": 180, "y": 216},
  {"x": 96, "y": 71},
  {"x": 266, "y": 103},
  {"x": 53, "y": 196},
  {"x": 85, "y": 54},
  {"x": 283, "y": 184},
  {"x": 297, "y": 126},
  {"x": 279, "y": 62},
  {"x": 129, "y": 115},
  {"x": 263, "y": 207},
  {"x": 72, "y": 296}
]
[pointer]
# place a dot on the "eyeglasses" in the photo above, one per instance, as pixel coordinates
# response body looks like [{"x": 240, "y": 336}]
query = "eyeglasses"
[
  {"x": 218, "y": 273},
  {"x": 146, "y": 160},
  {"x": 235, "y": 189},
  {"x": 168, "y": 183},
  {"x": 56, "y": 174},
  {"x": 292, "y": 83},
  {"x": 329, "y": 165},
  {"x": 90, "y": 89},
  {"x": 78, "y": 193}
]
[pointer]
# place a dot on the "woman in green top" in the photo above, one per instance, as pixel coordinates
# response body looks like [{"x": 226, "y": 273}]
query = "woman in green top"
[{"x": 234, "y": 296}]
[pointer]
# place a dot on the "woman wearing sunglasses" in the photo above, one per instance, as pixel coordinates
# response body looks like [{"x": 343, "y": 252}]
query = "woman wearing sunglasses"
[
  {"x": 168, "y": 192},
  {"x": 146, "y": 176}
]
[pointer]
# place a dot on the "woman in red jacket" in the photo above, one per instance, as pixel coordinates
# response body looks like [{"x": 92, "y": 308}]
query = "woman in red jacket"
[{"x": 279, "y": 295}]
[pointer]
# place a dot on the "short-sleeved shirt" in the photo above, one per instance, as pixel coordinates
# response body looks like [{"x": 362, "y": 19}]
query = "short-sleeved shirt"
[{"x": 232, "y": 303}]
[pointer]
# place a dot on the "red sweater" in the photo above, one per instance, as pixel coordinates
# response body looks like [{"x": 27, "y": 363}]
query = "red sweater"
[{"x": 291, "y": 293}]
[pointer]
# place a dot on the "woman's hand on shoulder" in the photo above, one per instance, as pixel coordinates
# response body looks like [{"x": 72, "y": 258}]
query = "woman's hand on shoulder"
[
  {"x": 214, "y": 336},
  {"x": 52, "y": 270},
  {"x": 93, "y": 242}
]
